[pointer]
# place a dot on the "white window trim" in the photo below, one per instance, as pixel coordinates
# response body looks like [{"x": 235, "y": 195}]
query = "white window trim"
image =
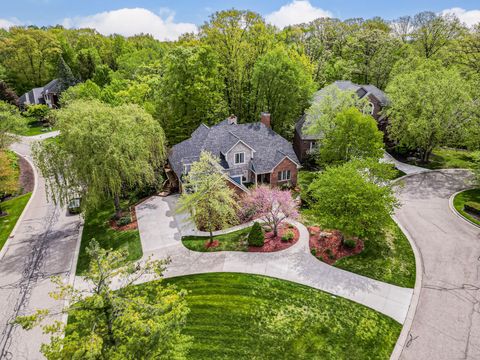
[
  {"x": 285, "y": 175},
  {"x": 372, "y": 106},
  {"x": 235, "y": 158}
]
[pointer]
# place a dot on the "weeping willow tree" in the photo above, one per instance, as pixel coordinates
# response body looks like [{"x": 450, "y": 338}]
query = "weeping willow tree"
[{"x": 100, "y": 152}]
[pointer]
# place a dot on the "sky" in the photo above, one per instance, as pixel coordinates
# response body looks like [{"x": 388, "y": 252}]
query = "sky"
[{"x": 166, "y": 20}]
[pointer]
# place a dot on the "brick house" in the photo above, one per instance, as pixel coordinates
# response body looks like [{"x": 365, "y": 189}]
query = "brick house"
[
  {"x": 304, "y": 143},
  {"x": 250, "y": 154}
]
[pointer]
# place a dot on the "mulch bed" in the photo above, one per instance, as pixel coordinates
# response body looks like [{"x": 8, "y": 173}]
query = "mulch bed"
[
  {"x": 212, "y": 244},
  {"x": 132, "y": 226},
  {"x": 27, "y": 179},
  {"x": 328, "y": 245},
  {"x": 275, "y": 243}
]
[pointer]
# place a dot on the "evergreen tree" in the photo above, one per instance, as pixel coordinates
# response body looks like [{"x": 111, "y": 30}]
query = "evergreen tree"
[{"x": 65, "y": 75}]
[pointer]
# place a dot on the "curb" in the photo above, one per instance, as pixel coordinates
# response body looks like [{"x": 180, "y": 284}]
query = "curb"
[
  {"x": 412, "y": 309},
  {"x": 29, "y": 203},
  {"x": 455, "y": 211}
]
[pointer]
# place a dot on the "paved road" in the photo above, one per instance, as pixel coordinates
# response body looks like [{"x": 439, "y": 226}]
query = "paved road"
[
  {"x": 44, "y": 245},
  {"x": 446, "y": 324},
  {"x": 161, "y": 231},
  {"x": 406, "y": 168}
]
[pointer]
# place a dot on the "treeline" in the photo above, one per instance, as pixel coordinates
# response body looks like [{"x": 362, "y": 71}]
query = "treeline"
[{"x": 237, "y": 63}]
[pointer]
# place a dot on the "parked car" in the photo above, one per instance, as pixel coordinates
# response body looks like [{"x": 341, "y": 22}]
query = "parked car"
[{"x": 74, "y": 206}]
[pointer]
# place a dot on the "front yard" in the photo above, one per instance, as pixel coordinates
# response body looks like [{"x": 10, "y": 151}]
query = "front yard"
[
  {"x": 240, "y": 316},
  {"x": 97, "y": 227},
  {"x": 447, "y": 158},
  {"x": 35, "y": 127},
  {"x": 14, "y": 208}
]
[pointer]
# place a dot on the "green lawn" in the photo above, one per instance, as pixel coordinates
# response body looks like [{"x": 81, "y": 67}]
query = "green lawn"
[
  {"x": 463, "y": 197},
  {"x": 234, "y": 241},
  {"x": 13, "y": 208},
  {"x": 35, "y": 127},
  {"x": 240, "y": 316},
  {"x": 444, "y": 158},
  {"x": 387, "y": 258},
  {"x": 96, "y": 226}
]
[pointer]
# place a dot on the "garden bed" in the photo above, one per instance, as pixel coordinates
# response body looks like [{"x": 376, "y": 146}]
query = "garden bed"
[
  {"x": 133, "y": 225},
  {"x": 237, "y": 241},
  {"x": 328, "y": 246}
]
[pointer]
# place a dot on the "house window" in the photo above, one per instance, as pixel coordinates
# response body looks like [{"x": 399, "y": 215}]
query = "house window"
[
  {"x": 312, "y": 145},
  {"x": 369, "y": 108},
  {"x": 239, "y": 158},
  {"x": 283, "y": 175}
]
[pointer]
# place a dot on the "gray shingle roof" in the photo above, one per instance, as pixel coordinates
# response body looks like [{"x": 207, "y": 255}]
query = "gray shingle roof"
[
  {"x": 344, "y": 85},
  {"x": 270, "y": 148},
  {"x": 35, "y": 96}
]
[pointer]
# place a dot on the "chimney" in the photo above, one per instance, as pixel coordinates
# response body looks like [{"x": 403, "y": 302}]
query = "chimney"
[
  {"x": 265, "y": 119},
  {"x": 232, "y": 120}
]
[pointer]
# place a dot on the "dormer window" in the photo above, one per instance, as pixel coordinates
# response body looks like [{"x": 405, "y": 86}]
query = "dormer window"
[
  {"x": 369, "y": 108},
  {"x": 239, "y": 158}
]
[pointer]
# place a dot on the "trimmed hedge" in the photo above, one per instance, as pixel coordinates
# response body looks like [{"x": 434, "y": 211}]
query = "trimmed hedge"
[
  {"x": 472, "y": 207},
  {"x": 256, "y": 237}
]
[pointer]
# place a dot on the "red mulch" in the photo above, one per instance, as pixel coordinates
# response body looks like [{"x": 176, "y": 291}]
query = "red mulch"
[
  {"x": 275, "y": 243},
  {"x": 27, "y": 179},
  {"x": 321, "y": 241},
  {"x": 212, "y": 244},
  {"x": 132, "y": 226}
]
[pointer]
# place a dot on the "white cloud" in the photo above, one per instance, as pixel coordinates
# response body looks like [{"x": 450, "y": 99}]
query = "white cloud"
[
  {"x": 297, "y": 12},
  {"x": 469, "y": 17},
  {"x": 133, "y": 21},
  {"x": 7, "y": 23}
]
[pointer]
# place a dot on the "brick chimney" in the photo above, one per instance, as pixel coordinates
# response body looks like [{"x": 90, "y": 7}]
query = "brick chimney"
[
  {"x": 232, "y": 120},
  {"x": 265, "y": 119}
]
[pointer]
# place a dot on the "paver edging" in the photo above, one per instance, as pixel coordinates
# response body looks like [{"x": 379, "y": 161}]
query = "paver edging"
[
  {"x": 455, "y": 211},
  {"x": 29, "y": 203}
]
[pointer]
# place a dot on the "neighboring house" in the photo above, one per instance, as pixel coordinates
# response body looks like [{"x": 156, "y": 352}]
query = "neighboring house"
[
  {"x": 249, "y": 154},
  {"x": 46, "y": 95},
  {"x": 304, "y": 143}
]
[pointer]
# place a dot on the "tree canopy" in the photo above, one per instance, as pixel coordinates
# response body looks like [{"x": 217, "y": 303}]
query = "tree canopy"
[{"x": 101, "y": 151}]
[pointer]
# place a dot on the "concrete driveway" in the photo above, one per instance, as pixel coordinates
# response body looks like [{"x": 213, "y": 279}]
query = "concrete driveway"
[
  {"x": 43, "y": 245},
  {"x": 161, "y": 231},
  {"x": 446, "y": 324}
]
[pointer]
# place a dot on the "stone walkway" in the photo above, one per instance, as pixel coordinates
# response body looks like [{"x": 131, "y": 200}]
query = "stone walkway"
[
  {"x": 161, "y": 231},
  {"x": 406, "y": 168}
]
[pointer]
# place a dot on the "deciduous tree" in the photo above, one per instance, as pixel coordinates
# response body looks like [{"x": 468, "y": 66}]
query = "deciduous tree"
[
  {"x": 11, "y": 122},
  {"x": 110, "y": 323},
  {"x": 270, "y": 204},
  {"x": 210, "y": 202},
  {"x": 353, "y": 198},
  {"x": 100, "y": 152}
]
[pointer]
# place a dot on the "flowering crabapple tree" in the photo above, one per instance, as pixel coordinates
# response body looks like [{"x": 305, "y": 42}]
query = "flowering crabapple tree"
[{"x": 270, "y": 204}]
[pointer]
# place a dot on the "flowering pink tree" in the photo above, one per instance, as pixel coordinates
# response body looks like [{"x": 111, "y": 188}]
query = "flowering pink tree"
[{"x": 270, "y": 204}]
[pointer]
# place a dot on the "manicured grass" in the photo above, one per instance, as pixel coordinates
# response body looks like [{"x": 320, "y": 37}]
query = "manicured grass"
[
  {"x": 13, "y": 208},
  {"x": 234, "y": 241},
  {"x": 460, "y": 199},
  {"x": 96, "y": 226},
  {"x": 240, "y": 316},
  {"x": 35, "y": 127},
  {"x": 443, "y": 158},
  {"x": 387, "y": 258}
]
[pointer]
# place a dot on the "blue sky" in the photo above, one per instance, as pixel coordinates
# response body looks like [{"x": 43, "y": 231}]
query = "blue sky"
[{"x": 188, "y": 13}]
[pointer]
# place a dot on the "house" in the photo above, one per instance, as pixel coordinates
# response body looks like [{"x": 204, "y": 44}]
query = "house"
[
  {"x": 304, "y": 143},
  {"x": 249, "y": 154},
  {"x": 46, "y": 95}
]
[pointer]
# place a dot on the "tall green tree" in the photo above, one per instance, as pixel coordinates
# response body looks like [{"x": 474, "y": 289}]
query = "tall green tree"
[
  {"x": 11, "y": 122},
  {"x": 191, "y": 92},
  {"x": 353, "y": 198},
  {"x": 282, "y": 86},
  {"x": 239, "y": 38},
  {"x": 207, "y": 198},
  {"x": 65, "y": 75},
  {"x": 100, "y": 152},
  {"x": 430, "y": 106},
  {"x": 109, "y": 323},
  {"x": 351, "y": 135}
]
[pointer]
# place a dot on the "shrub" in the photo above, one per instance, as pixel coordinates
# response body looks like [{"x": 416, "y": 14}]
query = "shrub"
[
  {"x": 256, "y": 237},
  {"x": 124, "y": 220},
  {"x": 39, "y": 112},
  {"x": 313, "y": 252},
  {"x": 350, "y": 243},
  {"x": 290, "y": 226},
  {"x": 330, "y": 254},
  {"x": 288, "y": 235},
  {"x": 472, "y": 207}
]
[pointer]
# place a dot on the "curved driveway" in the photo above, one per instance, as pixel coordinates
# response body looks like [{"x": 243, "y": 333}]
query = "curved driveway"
[
  {"x": 446, "y": 324},
  {"x": 43, "y": 245}
]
